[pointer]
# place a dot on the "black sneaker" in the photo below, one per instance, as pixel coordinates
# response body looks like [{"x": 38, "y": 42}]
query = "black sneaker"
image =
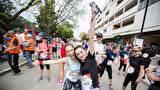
[{"x": 143, "y": 77}]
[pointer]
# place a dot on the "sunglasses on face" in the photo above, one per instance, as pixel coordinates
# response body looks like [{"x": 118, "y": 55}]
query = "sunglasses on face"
[{"x": 134, "y": 50}]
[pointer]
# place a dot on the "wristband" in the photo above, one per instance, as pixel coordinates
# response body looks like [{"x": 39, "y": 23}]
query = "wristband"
[{"x": 40, "y": 62}]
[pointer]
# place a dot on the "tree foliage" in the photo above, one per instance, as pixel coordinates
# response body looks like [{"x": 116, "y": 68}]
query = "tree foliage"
[
  {"x": 84, "y": 37},
  {"x": 8, "y": 14},
  {"x": 55, "y": 12}
]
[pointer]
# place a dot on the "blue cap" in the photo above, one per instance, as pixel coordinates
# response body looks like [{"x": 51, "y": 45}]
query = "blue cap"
[{"x": 124, "y": 47}]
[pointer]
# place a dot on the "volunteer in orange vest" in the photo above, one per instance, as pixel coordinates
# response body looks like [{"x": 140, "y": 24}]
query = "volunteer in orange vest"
[
  {"x": 29, "y": 49},
  {"x": 24, "y": 39},
  {"x": 14, "y": 50}
]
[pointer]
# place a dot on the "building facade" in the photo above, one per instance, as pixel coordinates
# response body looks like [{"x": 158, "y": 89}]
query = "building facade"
[{"x": 121, "y": 21}]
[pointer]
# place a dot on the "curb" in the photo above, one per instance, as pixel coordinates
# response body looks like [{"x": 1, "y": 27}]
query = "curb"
[
  {"x": 143, "y": 81},
  {"x": 5, "y": 71}
]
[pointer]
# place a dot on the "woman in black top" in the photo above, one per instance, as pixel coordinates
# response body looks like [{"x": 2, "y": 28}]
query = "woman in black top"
[
  {"x": 135, "y": 69},
  {"x": 87, "y": 59}
]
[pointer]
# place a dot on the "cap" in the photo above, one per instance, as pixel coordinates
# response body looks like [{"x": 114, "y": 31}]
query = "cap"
[
  {"x": 44, "y": 37},
  {"x": 124, "y": 47},
  {"x": 99, "y": 35}
]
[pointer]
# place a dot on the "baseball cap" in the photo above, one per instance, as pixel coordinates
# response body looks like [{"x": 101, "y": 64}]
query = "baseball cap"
[{"x": 99, "y": 35}]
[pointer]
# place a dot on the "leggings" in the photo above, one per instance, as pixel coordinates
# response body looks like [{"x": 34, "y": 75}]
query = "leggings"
[
  {"x": 132, "y": 78},
  {"x": 47, "y": 66},
  {"x": 68, "y": 85},
  {"x": 109, "y": 70},
  {"x": 124, "y": 68},
  {"x": 153, "y": 87}
]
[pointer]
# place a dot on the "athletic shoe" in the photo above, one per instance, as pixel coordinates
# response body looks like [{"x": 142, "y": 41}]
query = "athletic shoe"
[
  {"x": 40, "y": 79},
  {"x": 59, "y": 82},
  {"x": 143, "y": 77},
  {"x": 110, "y": 87},
  {"x": 18, "y": 73},
  {"x": 48, "y": 79}
]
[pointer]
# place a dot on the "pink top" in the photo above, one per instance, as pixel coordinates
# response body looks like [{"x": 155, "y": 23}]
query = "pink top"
[{"x": 42, "y": 46}]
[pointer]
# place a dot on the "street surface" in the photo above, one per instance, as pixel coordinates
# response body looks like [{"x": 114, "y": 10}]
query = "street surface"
[{"x": 29, "y": 80}]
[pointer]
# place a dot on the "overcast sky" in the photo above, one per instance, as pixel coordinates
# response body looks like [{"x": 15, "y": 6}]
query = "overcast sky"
[{"x": 83, "y": 21}]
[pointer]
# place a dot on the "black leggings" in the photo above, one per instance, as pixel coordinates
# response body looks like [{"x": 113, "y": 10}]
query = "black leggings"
[
  {"x": 124, "y": 68},
  {"x": 42, "y": 66},
  {"x": 68, "y": 85},
  {"x": 154, "y": 87},
  {"x": 132, "y": 78},
  {"x": 109, "y": 70}
]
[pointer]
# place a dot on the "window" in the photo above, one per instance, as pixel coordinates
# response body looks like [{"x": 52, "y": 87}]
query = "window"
[
  {"x": 111, "y": 18},
  {"x": 118, "y": 13},
  {"x": 106, "y": 13},
  {"x": 128, "y": 21},
  {"x": 116, "y": 26},
  {"x": 118, "y": 2},
  {"x": 105, "y": 30},
  {"x": 131, "y": 5}
]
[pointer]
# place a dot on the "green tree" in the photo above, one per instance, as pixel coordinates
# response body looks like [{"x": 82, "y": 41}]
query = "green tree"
[
  {"x": 84, "y": 37},
  {"x": 8, "y": 12},
  {"x": 54, "y": 14}
]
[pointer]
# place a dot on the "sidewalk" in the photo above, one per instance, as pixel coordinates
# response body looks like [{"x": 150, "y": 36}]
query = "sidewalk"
[{"x": 4, "y": 68}]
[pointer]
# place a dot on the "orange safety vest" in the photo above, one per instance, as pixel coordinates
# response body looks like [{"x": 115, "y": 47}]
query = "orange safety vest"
[
  {"x": 31, "y": 47},
  {"x": 25, "y": 37},
  {"x": 11, "y": 45}
]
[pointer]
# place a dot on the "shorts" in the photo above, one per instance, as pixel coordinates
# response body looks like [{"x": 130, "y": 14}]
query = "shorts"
[
  {"x": 69, "y": 85},
  {"x": 146, "y": 65},
  {"x": 54, "y": 49},
  {"x": 47, "y": 66}
]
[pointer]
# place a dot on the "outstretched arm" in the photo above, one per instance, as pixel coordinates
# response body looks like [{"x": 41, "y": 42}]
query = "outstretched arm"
[
  {"x": 59, "y": 61},
  {"x": 92, "y": 32}
]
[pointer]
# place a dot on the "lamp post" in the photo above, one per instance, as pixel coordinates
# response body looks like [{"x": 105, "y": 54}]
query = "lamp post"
[{"x": 144, "y": 19}]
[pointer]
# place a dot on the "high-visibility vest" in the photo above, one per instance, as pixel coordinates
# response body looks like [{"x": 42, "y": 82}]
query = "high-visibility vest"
[
  {"x": 31, "y": 47},
  {"x": 25, "y": 37},
  {"x": 11, "y": 45}
]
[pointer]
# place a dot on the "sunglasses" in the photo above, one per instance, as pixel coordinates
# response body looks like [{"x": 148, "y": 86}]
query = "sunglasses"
[{"x": 134, "y": 50}]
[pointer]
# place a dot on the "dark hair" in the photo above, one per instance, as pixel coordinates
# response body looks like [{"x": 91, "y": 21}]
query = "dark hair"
[
  {"x": 115, "y": 47},
  {"x": 79, "y": 46},
  {"x": 64, "y": 39},
  {"x": 68, "y": 45}
]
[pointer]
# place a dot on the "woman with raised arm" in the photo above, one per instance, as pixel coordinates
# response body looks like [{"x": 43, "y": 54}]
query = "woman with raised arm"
[
  {"x": 72, "y": 79},
  {"x": 88, "y": 63}
]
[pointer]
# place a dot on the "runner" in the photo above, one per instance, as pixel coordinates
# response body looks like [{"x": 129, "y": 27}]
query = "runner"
[
  {"x": 135, "y": 69},
  {"x": 44, "y": 51},
  {"x": 107, "y": 63},
  {"x": 89, "y": 69},
  {"x": 61, "y": 66},
  {"x": 72, "y": 79},
  {"x": 155, "y": 78},
  {"x": 123, "y": 60},
  {"x": 54, "y": 48}
]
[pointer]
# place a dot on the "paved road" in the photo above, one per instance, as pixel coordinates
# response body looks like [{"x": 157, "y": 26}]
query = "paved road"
[{"x": 29, "y": 80}]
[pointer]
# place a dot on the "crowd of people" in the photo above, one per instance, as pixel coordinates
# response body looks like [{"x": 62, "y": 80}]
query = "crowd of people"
[{"x": 87, "y": 62}]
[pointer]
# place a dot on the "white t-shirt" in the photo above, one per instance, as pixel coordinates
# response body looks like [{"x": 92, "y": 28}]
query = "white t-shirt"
[
  {"x": 20, "y": 37},
  {"x": 99, "y": 48}
]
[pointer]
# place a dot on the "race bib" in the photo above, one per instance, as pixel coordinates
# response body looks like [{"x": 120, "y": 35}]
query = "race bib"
[
  {"x": 130, "y": 70},
  {"x": 125, "y": 56},
  {"x": 109, "y": 62},
  {"x": 73, "y": 77},
  {"x": 86, "y": 83},
  {"x": 145, "y": 55},
  {"x": 43, "y": 55}
]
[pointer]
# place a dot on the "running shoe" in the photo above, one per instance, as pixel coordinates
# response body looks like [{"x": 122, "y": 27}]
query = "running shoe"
[
  {"x": 110, "y": 87},
  {"x": 18, "y": 73},
  {"x": 59, "y": 82},
  {"x": 40, "y": 79},
  {"x": 48, "y": 79}
]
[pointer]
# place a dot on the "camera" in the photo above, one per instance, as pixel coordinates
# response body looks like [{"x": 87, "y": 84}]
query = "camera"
[{"x": 96, "y": 8}]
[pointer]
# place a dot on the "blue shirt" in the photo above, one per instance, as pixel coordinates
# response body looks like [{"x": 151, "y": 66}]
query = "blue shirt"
[{"x": 110, "y": 56}]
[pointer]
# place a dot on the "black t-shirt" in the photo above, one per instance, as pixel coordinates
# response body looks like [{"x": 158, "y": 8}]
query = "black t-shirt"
[
  {"x": 136, "y": 62},
  {"x": 90, "y": 66}
]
